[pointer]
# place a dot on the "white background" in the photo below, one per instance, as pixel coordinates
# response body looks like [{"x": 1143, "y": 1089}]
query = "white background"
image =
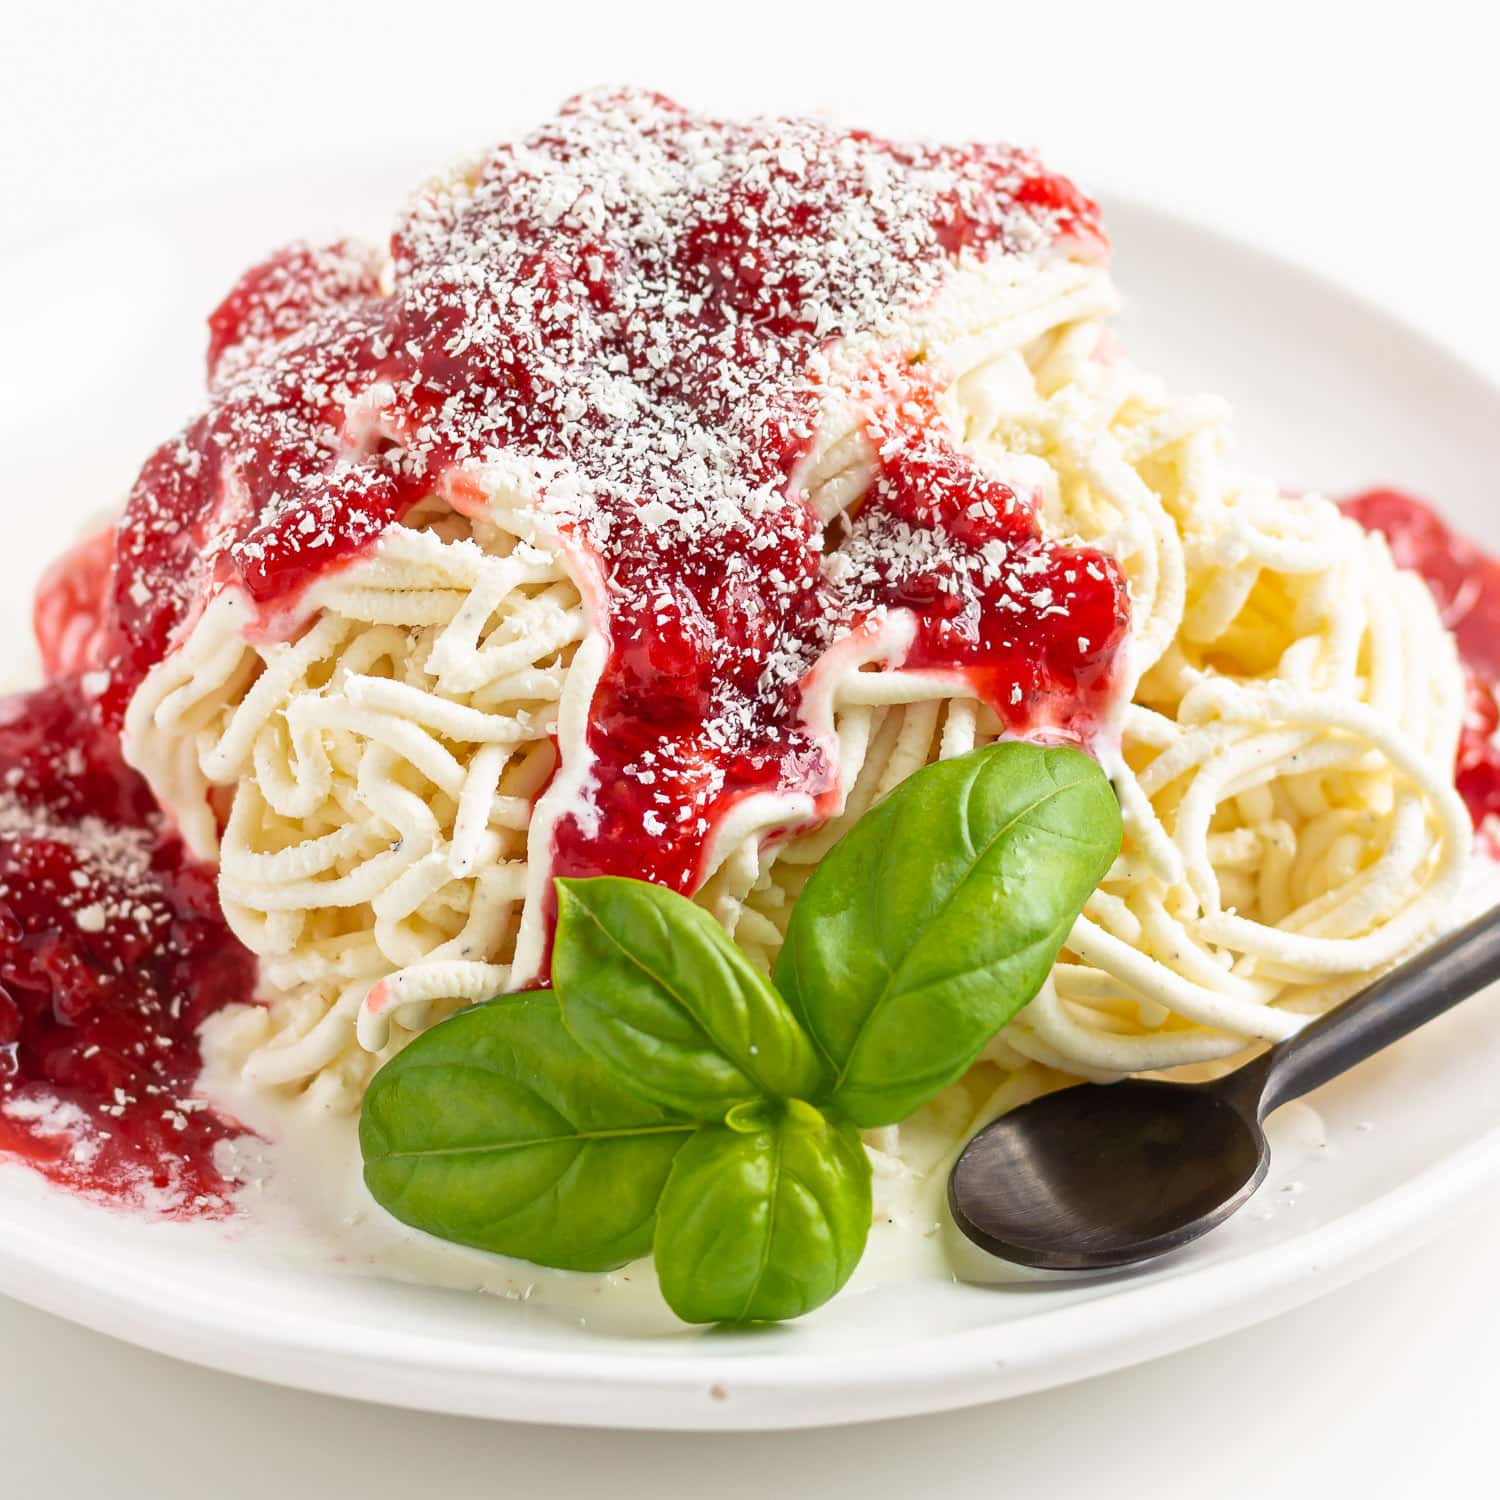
[{"x": 1358, "y": 139}]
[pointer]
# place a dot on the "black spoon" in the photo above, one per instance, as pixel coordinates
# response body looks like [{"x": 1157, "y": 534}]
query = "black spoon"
[{"x": 1105, "y": 1175}]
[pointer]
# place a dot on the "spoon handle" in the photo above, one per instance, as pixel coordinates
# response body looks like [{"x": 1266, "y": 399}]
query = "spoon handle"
[{"x": 1422, "y": 988}]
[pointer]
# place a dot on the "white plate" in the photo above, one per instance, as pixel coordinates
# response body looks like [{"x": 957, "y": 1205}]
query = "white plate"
[{"x": 105, "y": 338}]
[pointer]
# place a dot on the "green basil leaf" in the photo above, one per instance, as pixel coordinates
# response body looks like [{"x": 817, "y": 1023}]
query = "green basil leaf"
[
  {"x": 495, "y": 1129},
  {"x": 652, "y": 987},
  {"x": 762, "y": 1225},
  {"x": 937, "y": 917}
]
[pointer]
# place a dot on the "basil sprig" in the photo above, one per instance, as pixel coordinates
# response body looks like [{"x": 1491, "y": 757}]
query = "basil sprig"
[{"x": 668, "y": 1096}]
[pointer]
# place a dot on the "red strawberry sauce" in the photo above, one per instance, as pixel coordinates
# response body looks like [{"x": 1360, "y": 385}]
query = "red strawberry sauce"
[
  {"x": 1465, "y": 581},
  {"x": 629, "y": 315}
]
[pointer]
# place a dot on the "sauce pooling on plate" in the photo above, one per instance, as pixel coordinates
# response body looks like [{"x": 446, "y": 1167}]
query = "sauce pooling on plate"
[{"x": 112, "y": 951}]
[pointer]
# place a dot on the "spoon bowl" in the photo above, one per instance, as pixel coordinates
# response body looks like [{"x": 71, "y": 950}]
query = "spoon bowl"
[
  {"x": 1106, "y": 1175},
  {"x": 1092, "y": 1178}
]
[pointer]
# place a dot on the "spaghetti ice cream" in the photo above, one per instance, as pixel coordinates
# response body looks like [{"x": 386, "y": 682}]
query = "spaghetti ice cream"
[{"x": 671, "y": 491}]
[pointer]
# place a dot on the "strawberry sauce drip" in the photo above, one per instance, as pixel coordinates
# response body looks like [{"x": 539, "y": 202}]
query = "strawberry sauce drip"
[
  {"x": 626, "y": 323},
  {"x": 1465, "y": 581},
  {"x": 1035, "y": 627}
]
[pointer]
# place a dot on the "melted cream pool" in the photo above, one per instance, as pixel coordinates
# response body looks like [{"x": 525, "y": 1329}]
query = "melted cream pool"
[{"x": 304, "y": 1200}]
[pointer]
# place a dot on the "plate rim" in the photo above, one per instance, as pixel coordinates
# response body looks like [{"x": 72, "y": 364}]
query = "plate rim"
[{"x": 697, "y": 1391}]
